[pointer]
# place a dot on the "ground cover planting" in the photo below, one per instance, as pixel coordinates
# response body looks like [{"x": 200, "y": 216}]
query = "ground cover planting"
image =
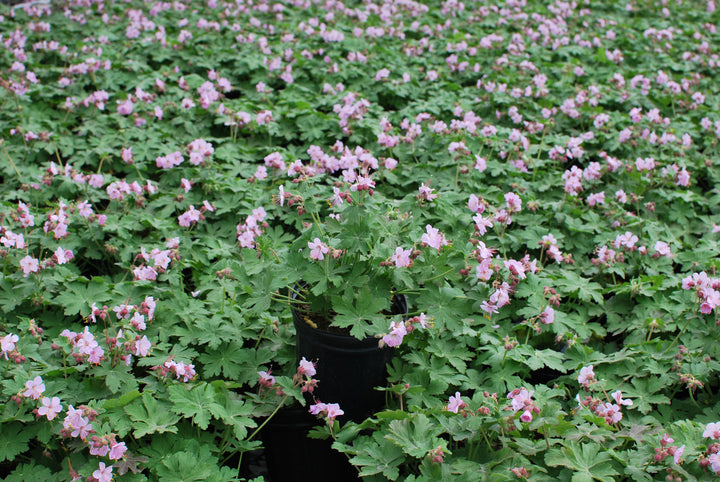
[{"x": 539, "y": 180}]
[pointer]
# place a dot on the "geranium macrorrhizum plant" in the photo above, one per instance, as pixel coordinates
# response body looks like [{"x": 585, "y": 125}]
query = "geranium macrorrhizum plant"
[
  {"x": 356, "y": 248},
  {"x": 573, "y": 147}
]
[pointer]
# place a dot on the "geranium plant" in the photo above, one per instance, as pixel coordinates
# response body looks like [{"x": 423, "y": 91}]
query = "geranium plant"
[
  {"x": 355, "y": 248},
  {"x": 174, "y": 174}
]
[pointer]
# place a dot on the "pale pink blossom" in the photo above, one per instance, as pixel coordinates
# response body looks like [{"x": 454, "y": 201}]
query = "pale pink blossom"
[
  {"x": 455, "y": 403},
  {"x": 34, "y": 388},
  {"x": 587, "y": 376},
  {"x": 50, "y": 407},
  {"x": 7, "y": 344},
  {"x": 434, "y": 238},
  {"x": 306, "y": 368},
  {"x": 397, "y": 332},
  {"x": 318, "y": 249},
  {"x": 401, "y": 257},
  {"x": 103, "y": 473},
  {"x": 712, "y": 430},
  {"x": 29, "y": 265}
]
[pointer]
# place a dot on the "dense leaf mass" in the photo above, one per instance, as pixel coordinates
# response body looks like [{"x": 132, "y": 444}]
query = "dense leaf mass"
[{"x": 539, "y": 179}]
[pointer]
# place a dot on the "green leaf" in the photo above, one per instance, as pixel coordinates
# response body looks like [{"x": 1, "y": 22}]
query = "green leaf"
[
  {"x": 360, "y": 313},
  {"x": 378, "y": 456},
  {"x": 79, "y": 296},
  {"x": 415, "y": 436},
  {"x": 151, "y": 416},
  {"x": 196, "y": 402},
  {"x": 586, "y": 290},
  {"x": 117, "y": 378},
  {"x": 14, "y": 440},
  {"x": 31, "y": 471},
  {"x": 236, "y": 413},
  {"x": 126, "y": 398},
  {"x": 198, "y": 464},
  {"x": 586, "y": 460}
]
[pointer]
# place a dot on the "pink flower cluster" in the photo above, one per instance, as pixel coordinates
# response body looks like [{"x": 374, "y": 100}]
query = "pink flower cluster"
[
  {"x": 181, "y": 370},
  {"x": 199, "y": 150},
  {"x": 329, "y": 411},
  {"x": 351, "y": 109},
  {"x": 118, "y": 190},
  {"x": 398, "y": 330},
  {"x": 78, "y": 422},
  {"x": 611, "y": 412},
  {"x": 161, "y": 259},
  {"x": 251, "y": 228},
  {"x": 84, "y": 346},
  {"x": 169, "y": 161},
  {"x": 521, "y": 400},
  {"x": 550, "y": 246},
  {"x": 94, "y": 180},
  {"x": 456, "y": 403},
  {"x": 7, "y": 348},
  {"x": 667, "y": 450},
  {"x": 433, "y": 238},
  {"x": 304, "y": 376},
  {"x": 107, "y": 446},
  {"x": 192, "y": 215},
  {"x": 707, "y": 289}
]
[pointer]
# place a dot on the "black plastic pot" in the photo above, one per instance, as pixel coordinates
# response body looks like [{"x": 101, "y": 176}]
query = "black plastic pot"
[
  {"x": 348, "y": 369},
  {"x": 291, "y": 456}
]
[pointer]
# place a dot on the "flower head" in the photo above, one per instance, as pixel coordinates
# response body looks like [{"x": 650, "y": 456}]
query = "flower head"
[
  {"x": 50, "y": 407},
  {"x": 587, "y": 376},
  {"x": 455, "y": 403}
]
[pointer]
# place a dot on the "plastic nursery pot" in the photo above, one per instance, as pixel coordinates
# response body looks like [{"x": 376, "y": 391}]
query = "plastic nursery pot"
[
  {"x": 291, "y": 456},
  {"x": 348, "y": 369}
]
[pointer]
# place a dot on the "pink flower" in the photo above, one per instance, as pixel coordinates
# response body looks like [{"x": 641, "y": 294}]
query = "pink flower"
[
  {"x": 329, "y": 410},
  {"x": 142, "y": 346},
  {"x": 475, "y": 205},
  {"x": 333, "y": 410},
  {"x": 34, "y": 388},
  {"x": 548, "y": 316},
  {"x": 597, "y": 198},
  {"x": 29, "y": 265},
  {"x": 318, "y": 249},
  {"x": 714, "y": 460},
  {"x": 117, "y": 450},
  {"x": 264, "y": 117},
  {"x": 455, "y": 403},
  {"x": 306, "y": 368},
  {"x": 401, "y": 257},
  {"x": 482, "y": 224},
  {"x": 50, "y": 407},
  {"x": 126, "y": 107},
  {"x": 617, "y": 396},
  {"x": 7, "y": 344},
  {"x": 127, "y": 155},
  {"x": 587, "y": 375},
  {"x": 397, "y": 332},
  {"x": 712, "y": 430},
  {"x": 514, "y": 204},
  {"x": 521, "y": 401},
  {"x": 317, "y": 408},
  {"x": 103, "y": 474},
  {"x": 62, "y": 256},
  {"x": 266, "y": 379},
  {"x": 426, "y": 192},
  {"x": 434, "y": 238},
  {"x": 678, "y": 453},
  {"x": 662, "y": 249}
]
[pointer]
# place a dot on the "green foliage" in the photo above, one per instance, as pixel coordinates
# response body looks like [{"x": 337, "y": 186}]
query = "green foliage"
[{"x": 587, "y": 135}]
